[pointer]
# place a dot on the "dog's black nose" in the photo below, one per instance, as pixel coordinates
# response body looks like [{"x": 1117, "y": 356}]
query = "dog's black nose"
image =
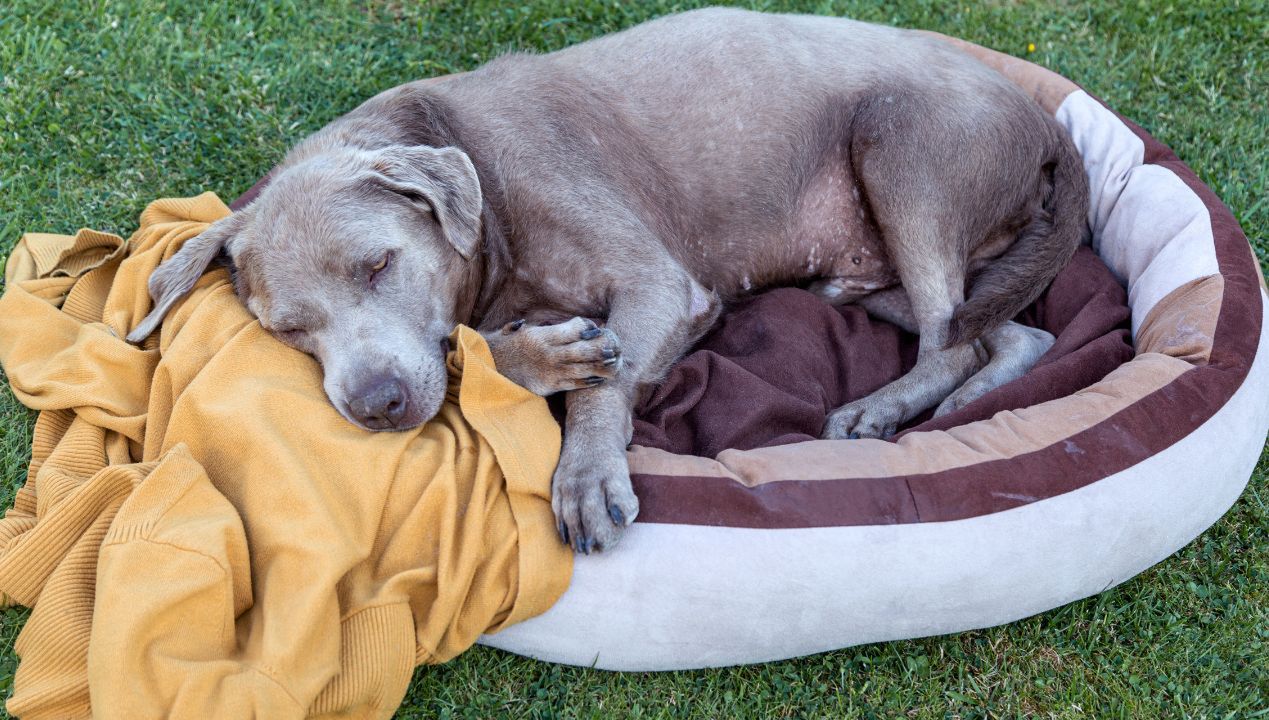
[{"x": 380, "y": 404}]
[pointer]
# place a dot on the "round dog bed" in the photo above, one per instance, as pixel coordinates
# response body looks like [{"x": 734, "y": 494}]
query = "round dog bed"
[{"x": 792, "y": 546}]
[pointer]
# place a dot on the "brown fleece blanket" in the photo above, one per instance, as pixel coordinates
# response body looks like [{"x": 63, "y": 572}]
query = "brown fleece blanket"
[{"x": 775, "y": 365}]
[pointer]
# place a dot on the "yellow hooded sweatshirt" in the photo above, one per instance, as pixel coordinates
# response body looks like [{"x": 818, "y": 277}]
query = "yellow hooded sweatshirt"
[{"x": 202, "y": 535}]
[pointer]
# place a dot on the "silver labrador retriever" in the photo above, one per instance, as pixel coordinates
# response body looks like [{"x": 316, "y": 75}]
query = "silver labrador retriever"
[{"x": 643, "y": 179}]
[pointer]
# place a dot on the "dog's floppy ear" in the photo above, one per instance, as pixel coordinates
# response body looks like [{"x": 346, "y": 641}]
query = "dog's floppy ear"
[
  {"x": 173, "y": 279},
  {"x": 441, "y": 181}
]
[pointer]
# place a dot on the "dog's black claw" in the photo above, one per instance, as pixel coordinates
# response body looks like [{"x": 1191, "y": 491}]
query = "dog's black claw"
[
  {"x": 594, "y": 380},
  {"x": 617, "y": 515},
  {"x": 591, "y": 333},
  {"x": 564, "y": 533},
  {"x": 609, "y": 353},
  {"x": 516, "y": 325},
  {"x": 610, "y": 362},
  {"x": 852, "y": 436},
  {"x": 589, "y": 545}
]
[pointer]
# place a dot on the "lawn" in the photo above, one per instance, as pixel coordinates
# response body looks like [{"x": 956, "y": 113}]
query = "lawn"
[{"x": 105, "y": 106}]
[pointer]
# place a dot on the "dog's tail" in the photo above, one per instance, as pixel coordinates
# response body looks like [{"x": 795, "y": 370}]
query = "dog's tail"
[{"x": 1044, "y": 246}]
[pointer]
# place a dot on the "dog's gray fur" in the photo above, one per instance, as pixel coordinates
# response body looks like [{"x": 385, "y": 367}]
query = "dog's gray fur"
[{"x": 644, "y": 179}]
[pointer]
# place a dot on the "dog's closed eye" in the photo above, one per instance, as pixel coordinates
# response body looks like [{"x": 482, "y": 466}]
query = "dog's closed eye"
[{"x": 377, "y": 270}]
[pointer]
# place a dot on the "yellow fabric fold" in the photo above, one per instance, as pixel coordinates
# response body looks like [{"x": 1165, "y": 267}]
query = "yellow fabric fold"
[{"x": 202, "y": 535}]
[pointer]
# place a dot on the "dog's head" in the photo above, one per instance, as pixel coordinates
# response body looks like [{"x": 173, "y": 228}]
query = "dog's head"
[{"x": 358, "y": 258}]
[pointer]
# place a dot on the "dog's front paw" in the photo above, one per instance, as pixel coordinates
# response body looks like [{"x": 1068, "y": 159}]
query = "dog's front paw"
[
  {"x": 593, "y": 500},
  {"x": 870, "y": 417},
  {"x": 546, "y": 359}
]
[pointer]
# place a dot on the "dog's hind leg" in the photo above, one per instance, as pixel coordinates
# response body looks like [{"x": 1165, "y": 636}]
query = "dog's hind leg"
[
  {"x": 934, "y": 285},
  {"x": 946, "y": 176},
  {"x": 922, "y": 219},
  {"x": 1007, "y": 353},
  {"x": 1013, "y": 349}
]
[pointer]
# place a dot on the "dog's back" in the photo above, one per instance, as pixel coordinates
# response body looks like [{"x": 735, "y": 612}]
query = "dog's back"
[{"x": 729, "y": 133}]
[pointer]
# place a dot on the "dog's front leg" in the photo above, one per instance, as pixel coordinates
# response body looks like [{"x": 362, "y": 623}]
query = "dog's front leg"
[
  {"x": 546, "y": 359},
  {"x": 591, "y": 491}
]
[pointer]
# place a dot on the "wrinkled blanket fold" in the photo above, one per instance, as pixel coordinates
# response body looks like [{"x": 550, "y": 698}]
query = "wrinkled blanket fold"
[{"x": 202, "y": 535}]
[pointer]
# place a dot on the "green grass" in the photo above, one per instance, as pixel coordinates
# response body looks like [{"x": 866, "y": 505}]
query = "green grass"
[{"x": 106, "y": 106}]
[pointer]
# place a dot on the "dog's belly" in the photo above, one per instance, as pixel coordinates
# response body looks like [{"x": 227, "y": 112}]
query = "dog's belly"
[
  {"x": 828, "y": 241},
  {"x": 833, "y": 226}
]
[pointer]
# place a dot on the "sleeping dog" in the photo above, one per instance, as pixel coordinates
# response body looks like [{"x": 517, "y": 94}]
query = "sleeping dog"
[{"x": 643, "y": 180}]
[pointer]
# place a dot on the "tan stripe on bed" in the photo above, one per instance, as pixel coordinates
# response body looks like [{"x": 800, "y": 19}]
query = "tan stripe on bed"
[
  {"x": 1003, "y": 436},
  {"x": 655, "y": 461},
  {"x": 1183, "y": 323},
  {"x": 1047, "y": 87}
]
